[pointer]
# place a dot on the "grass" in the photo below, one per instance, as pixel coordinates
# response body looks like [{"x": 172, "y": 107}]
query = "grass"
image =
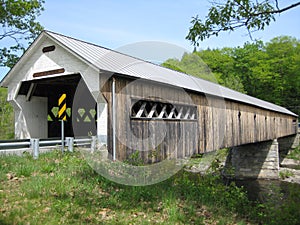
[
  {"x": 62, "y": 189},
  {"x": 294, "y": 154},
  {"x": 285, "y": 174}
]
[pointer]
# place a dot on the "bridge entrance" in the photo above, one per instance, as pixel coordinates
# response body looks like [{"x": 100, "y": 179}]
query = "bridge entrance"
[{"x": 43, "y": 94}]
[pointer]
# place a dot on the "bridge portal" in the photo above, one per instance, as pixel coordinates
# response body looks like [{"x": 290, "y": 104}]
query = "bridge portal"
[{"x": 40, "y": 98}]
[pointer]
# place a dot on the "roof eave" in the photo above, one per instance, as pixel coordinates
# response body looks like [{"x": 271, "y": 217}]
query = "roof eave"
[
  {"x": 48, "y": 34},
  {"x": 5, "y": 81}
]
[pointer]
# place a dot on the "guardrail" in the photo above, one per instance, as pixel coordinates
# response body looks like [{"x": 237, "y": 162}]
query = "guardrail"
[{"x": 34, "y": 144}]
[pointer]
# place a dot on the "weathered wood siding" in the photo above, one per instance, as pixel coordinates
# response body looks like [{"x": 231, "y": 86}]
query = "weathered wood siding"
[
  {"x": 155, "y": 139},
  {"x": 220, "y": 122}
]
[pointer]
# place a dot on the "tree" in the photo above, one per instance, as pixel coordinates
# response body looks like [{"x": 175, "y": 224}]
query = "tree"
[
  {"x": 19, "y": 27},
  {"x": 192, "y": 64},
  {"x": 284, "y": 56},
  {"x": 221, "y": 63},
  {"x": 212, "y": 65},
  {"x": 233, "y": 14},
  {"x": 251, "y": 67},
  {"x": 269, "y": 71}
]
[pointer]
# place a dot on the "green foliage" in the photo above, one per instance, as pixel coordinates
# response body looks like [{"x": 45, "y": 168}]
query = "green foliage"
[
  {"x": 233, "y": 14},
  {"x": 19, "y": 26},
  {"x": 221, "y": 63},
  {"x": 212, "y": 65},
  {"x": 294, "y": 154},
  {"x": 285, "y": 174},
  {"x": 269, "y": 71},
  {"x": 209, "y": 65},
  {"x": 191, "y": 64},
  {"x": 281, "y": 206},
  {"x": 135, "y": 159},
  {"x": 6, "y": 117}
]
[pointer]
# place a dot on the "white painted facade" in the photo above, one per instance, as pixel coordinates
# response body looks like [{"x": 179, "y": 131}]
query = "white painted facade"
[{"x": 31, "y": 116}]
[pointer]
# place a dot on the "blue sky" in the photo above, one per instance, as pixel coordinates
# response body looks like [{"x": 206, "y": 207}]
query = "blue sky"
[{"x": 115, "y": 23}]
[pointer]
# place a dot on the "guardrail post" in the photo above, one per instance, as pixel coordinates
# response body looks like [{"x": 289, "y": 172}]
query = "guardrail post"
[
  {"x": 35, "y": 146},
  {"x": 70, "y": 143}
]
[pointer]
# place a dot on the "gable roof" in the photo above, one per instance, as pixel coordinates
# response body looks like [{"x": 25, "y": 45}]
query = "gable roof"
[{"x": 109, "y": 60}]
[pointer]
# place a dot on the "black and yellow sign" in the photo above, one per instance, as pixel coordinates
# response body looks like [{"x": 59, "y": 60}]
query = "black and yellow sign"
[{"x": 62, "y": 107}]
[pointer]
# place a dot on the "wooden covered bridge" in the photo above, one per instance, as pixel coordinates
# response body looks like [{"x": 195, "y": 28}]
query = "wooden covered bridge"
[{"x": 131, "y": 104}]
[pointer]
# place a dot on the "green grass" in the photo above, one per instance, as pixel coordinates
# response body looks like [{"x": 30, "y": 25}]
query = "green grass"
[
  {"x": 6, "y": 116},
  {"x": 294, "y": 154},
  {"x": 62, "y": 189},
  {"x": 285, "y": 174}
]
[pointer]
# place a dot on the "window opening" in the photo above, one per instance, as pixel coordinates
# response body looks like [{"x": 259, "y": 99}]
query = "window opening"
[{"x": 146, "y": 109}]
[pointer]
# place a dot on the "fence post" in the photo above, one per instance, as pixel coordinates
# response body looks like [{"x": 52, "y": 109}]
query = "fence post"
[
  {"x": 35, "y": 146},
  {"x": 70, "y": 143}
]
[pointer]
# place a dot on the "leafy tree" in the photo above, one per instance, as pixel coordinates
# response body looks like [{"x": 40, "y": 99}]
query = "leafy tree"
[
  {"x": 230, "y": 15},
  {"x": 284, "y": 56},
  {"x": 249, "y": 66},
  {"x": 211, "y": 65},
  {"x": 269, "y": 71},
  {"x": 191, "y": 64},
  {"x": 221, "y": 62},
  {"x": 19, "y": 27}
]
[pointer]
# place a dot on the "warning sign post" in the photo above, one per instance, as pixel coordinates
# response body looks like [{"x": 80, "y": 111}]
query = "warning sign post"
[{"x": 62, "y": 116}]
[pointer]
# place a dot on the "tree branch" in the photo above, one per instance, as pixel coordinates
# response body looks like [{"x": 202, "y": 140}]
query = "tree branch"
[
  {"x": 277, "y": 11},
  {"x": 277, "y": 6},
  {"x": 252, "y": 14}
]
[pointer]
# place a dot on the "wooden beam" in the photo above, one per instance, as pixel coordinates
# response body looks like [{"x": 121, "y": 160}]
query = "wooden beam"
[
  {"x": 172, "y": 112},
  {"x": 140, "y": 112},
  {"x": 30, "y": 91},
  {"x": 49, "y": 72},
  {"x": 163, "y": 111},
  {"x": 152, "y": 111}
]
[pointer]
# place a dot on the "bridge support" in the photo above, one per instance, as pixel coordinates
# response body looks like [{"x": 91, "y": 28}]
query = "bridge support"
[{"x": 255, "y": 161}]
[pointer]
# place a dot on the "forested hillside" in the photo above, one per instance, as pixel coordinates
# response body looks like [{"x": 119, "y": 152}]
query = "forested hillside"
[
  {"x": 6, "y": 117},
  {"x": 269, "y": 71}
]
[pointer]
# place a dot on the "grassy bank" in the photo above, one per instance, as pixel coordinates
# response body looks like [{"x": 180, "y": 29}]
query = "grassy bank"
[{"x": 62, "y": 189}]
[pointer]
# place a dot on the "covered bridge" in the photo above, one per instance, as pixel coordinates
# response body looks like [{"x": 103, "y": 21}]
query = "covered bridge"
[{"x": 131, "y": 104}]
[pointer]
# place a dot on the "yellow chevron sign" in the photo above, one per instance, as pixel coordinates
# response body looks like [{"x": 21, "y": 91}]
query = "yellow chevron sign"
[{"x": 62, "y": 107}]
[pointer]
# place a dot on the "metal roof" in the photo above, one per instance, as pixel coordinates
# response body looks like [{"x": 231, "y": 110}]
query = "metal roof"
[{"x": 109, "y": 60}]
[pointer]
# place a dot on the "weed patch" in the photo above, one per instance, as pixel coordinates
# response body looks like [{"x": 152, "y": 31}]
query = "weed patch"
[{"x": 294, "y": 154}]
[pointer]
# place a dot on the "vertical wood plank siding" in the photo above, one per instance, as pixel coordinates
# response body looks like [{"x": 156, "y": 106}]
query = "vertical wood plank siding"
[{"x": 220, "y": 123}]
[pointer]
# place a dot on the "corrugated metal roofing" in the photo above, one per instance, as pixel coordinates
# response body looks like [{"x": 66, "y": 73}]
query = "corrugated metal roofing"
[{"x": 109, "y": 60}]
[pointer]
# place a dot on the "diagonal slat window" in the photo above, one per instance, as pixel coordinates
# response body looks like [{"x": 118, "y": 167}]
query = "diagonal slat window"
[{"x": 146, "y": 109}]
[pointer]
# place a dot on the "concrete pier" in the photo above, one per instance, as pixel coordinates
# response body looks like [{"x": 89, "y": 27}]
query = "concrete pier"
[{"x": 255, "y": 161}]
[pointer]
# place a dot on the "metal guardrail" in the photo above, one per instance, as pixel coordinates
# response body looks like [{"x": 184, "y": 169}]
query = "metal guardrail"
[
  {"x": 9, "y": 145},
  {"x": 12, "y": 146}
]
